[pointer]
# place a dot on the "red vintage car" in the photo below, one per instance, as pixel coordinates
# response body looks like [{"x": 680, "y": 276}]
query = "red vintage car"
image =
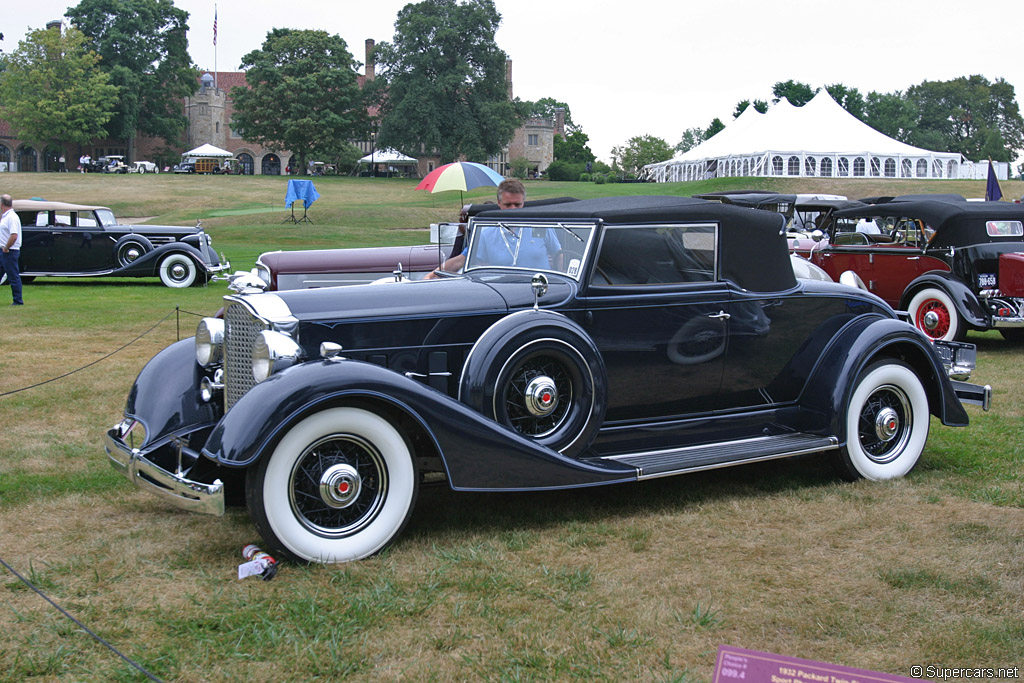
[{"x": 954, "y": 265}]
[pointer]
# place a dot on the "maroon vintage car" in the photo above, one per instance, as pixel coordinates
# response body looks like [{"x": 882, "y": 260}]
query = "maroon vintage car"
[
  {"x": 954, "y": 265},
  {"x": 314, "y": 268}
]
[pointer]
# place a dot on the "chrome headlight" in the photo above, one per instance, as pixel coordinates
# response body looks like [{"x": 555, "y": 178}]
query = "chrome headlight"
[
  {"x": 273, "y": 352},
  {"x": 209, "y": 341}
]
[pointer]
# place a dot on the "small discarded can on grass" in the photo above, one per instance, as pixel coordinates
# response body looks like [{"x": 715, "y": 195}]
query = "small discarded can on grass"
[{"x": 259, "y": 564}]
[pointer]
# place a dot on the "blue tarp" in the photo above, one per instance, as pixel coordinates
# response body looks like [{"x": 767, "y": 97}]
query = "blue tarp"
[{"x": 301, "y": 189}]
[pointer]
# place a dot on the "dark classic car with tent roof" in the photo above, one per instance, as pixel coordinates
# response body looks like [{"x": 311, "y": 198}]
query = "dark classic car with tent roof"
[
  {"x": 587, "y": 343},
  {"x": 953, "y": 265}
]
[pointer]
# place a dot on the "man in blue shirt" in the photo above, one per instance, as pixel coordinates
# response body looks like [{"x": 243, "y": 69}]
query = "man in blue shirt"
[{"x": 522, "y": 247}]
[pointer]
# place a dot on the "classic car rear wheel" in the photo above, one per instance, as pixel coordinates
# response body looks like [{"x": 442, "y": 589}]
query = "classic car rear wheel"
[
  {"x": 339, "y": 486},
  {"x": 178, "y": 271},
  {"x": 131, "y": 248},
  {"x": 933, "y": 312},
  {"x": 886, "y": 423}
]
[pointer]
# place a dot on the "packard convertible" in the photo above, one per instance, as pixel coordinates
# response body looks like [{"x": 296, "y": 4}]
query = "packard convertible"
[{"x": 589, "y": 343}]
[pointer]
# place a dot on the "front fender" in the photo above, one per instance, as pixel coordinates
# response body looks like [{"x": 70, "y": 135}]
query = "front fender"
[
  {"x": 478, "y": 453},
  {"x": 966, "y": 302},
  {"x": 861, "y": 342},
  {"x": 165, "y": 396}
]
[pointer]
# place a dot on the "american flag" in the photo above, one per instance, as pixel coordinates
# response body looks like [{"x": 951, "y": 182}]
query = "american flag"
[{"x": 215, "y": 25}]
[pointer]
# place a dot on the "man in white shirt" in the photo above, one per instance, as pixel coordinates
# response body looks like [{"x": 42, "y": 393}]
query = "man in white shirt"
[{"x": 10, "y": 247}]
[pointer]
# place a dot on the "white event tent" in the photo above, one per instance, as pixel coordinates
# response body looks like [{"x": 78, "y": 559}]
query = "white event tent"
[
  {"x": 208, "y": 151},
  {"x": 819, "y": 139}
]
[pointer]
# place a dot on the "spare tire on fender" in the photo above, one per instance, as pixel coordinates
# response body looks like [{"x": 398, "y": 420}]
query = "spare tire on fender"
[{"x": 539, "y": 374}]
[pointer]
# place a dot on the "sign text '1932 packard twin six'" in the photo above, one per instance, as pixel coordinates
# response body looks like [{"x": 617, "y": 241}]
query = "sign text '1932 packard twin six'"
[{"x": 594, "y": 342}]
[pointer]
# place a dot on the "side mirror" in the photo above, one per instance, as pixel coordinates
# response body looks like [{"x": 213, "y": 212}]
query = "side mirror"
[
  {"x": 539, "y": 283},
  {"x": 817, "y": 235}
]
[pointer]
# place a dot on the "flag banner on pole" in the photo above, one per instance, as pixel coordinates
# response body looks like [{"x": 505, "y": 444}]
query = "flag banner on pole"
[
  {"x": 992, "y": 191},
  {"x": 215, "y": 25}
]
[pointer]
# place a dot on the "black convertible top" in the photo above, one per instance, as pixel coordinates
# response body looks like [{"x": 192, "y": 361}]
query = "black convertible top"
[
  {"x": 956, "y": 223},
  {"x": 754, "y": 253}
]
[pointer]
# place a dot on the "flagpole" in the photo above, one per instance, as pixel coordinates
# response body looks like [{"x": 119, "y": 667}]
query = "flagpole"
[{"x": 215, "y": 46}]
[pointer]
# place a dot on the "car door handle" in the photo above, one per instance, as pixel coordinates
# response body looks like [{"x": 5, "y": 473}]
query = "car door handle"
[
  {"x": 913, "y": 258},
  {"x": 721, "y": 315}
]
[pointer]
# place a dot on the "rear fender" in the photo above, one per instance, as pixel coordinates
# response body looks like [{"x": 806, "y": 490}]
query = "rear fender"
[
  {"x": 966, "y": 302},
  {"x": 860, "y": 343},
  {"x": 477, "y": 452}
]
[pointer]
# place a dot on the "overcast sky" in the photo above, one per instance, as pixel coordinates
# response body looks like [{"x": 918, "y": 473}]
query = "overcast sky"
[{"x": 652, "y": 67}]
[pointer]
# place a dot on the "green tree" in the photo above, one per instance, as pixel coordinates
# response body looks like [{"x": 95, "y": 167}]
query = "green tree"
[
  {"x": 849, "y": 99},
  {"x": 797, "y": 93},
  {"x": 970, "y": 115},
  {"x": 301, "y": 94},
  {"x": 691, "y": 138},
  {"x": 442, "y": 84},
  {"x": 714, "y": 128},
  {"x": 53, "y": 90},
  {"x": 639, "y": 151},
  {"x": 145, "y": 50},
  {"x": 741, "y": 106},
  {"x": 890, "y": 113},
  {"x": 573, "y": 148},
  {"x": 545, "y": 107}
]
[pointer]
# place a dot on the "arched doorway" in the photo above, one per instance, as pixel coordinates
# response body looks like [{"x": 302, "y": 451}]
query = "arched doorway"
[
  {"x": 247, "y": 164},
  {"x": 27, "y": 159},
  {"x": 5, "y": 157},
  {"x": 271, "y": 165},
  {"x": 51, "y": 157}
]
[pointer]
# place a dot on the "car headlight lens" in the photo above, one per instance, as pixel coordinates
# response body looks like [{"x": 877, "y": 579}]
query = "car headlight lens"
[
  {"x": 262, "y": 272},
  {"x": 209, "y": 341},
  {"x": 273, "y": 352}
]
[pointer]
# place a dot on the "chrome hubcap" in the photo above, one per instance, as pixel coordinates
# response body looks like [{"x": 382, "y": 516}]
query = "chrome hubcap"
[
  {"x": 340, "y": 485},
  {"x": 887, "y": 424},
  {"x": 178, "y": 271},
  {"x": 931, "y": 320},
  {"x": 541, "y": 396}
]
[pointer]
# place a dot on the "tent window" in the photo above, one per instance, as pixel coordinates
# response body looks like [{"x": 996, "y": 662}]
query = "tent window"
[
  {"x": 876, "y": 167},
  {"x": 858, "y": 166},
  {"x": 826, "y": 167},
  {"x": 936, "y": 168},
  {"x": 844, "y": 167},
  {"x": 907, "y": 169},
  {"x": 776, "y": 165},
  {"x": 922, "y": 168},
  {"x": 794, "y": 166},
  {"x": 890, "y": 168},
  {"x": 951, "y": 172},
  {"x": 809, "y": 166}
]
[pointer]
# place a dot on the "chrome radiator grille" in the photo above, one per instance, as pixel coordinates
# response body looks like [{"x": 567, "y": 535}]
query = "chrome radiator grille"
[{"x": 241, "y": 328}]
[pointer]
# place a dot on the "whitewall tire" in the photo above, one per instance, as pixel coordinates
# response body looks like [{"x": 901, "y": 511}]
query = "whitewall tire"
[
  {"x": 932, "y": 311},
  {"x": 178, "y": 271},
  {"x": 338, "y": 487},
  {"x": 886, "y": 423}
]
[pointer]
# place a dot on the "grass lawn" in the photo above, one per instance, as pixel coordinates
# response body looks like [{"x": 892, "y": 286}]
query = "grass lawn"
[{"x": 637, "y": 582}]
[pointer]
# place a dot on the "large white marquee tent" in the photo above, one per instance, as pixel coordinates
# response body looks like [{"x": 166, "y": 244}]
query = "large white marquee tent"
[{"x": 819, "y": 139}]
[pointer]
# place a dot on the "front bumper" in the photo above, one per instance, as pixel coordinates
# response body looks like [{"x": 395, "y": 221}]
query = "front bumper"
[
  {"x": 973, "y": 393},
  {"x": 173, "y": 487}
]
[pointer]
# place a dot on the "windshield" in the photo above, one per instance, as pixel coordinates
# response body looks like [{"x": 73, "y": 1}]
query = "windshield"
[
  {"x": 553, "y": 247},
  {"x": 106, "y": 217}
]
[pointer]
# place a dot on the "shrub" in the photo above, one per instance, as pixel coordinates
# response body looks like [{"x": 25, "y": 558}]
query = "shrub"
[
  {"x": 563, "y": 170},
  {"x": 585, "y": 177}
]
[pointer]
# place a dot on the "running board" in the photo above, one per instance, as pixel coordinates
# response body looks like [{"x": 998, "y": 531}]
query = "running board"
[{"x": 663, "y": 463}]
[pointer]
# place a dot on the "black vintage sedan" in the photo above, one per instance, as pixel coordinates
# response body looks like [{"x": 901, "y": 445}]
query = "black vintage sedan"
[
  {"x": 87, "y": 241},
  {"x": 590, "y": 343}
]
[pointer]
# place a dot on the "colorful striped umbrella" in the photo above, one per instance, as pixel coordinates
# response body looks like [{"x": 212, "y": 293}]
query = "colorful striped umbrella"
[{"x": 460, "y": 175}]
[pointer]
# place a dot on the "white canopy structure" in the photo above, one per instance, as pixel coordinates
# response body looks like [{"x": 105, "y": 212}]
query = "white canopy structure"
[
  {"x": 388, "y": 156},
  {"x": 819, "y": 139},
  {"x": 208, "y": 151}
]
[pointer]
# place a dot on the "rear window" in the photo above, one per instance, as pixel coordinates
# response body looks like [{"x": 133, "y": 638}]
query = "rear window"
[{"x": 1004, "y": 228}]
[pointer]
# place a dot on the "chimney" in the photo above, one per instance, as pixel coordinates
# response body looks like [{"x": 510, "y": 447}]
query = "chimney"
[
  {"x": 370, "y": 65},
  {"x": 560, "y": 121},
  {"x": 508, "y": 76}
]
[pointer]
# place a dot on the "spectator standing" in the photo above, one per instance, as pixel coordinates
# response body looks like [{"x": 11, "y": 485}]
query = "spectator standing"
[
  {"x": 10, "y": 241},
  {"x": 63, "y": 164}
]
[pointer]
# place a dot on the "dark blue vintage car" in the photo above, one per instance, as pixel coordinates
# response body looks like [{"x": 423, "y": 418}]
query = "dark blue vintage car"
[{"x": 596, "y": 342}]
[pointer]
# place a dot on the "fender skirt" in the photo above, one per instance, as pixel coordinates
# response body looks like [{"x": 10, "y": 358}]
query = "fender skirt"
[{"x": 478, "y": 453}]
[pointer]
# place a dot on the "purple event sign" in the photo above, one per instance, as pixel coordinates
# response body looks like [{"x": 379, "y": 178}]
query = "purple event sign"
[{"x": 736, "y": 665}]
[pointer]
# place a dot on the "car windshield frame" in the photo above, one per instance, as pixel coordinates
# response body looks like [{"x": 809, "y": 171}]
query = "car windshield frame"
[
  {"x": 105, "y": 218},
  {"x": 572, "y": 238}
]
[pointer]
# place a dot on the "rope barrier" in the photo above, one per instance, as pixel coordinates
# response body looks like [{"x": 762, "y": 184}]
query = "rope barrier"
[
  {"x": 80, "y": 625},
  {"x": 176, "y": 312}
]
